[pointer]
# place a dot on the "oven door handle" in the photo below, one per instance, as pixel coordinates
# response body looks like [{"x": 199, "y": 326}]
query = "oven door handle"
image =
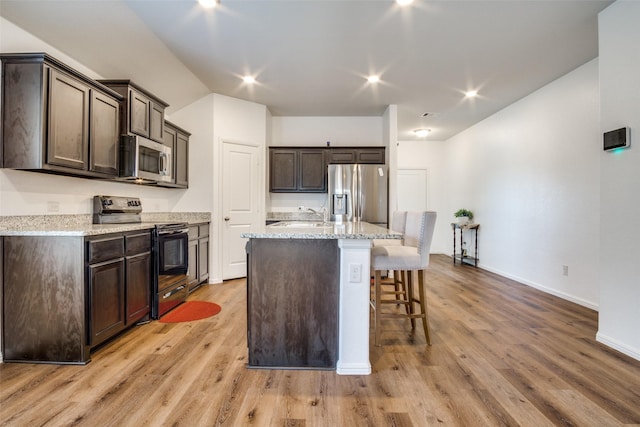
[
  {"x": 174, "y": 291},
  {"x": 172, "y": 232}
]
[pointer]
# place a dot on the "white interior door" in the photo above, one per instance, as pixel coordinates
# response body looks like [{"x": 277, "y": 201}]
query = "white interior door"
[
  {"x": 240, "y": 205},
  {"x": 412, "y": 189}
]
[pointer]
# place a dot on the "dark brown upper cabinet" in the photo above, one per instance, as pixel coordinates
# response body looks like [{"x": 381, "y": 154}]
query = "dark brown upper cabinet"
[
  {"x": 297, "y": 170},
  {"x": 142, "y": 112},
  {"x": 362, "y": 155},
  {"x": 104, "y": 134},
  {"x": 177, "y": 139},
  {"x": 54, "y": 119}
]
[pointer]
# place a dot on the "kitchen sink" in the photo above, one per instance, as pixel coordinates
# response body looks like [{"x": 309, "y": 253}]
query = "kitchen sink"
[{"x": 300, "y": 224}]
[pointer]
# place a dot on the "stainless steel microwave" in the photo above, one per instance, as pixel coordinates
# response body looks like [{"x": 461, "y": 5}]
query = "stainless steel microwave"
[{"x": 144, "y": 161}]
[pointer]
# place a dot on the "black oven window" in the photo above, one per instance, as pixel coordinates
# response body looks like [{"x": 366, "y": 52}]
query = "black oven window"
[{"x": 174, "y": 254}]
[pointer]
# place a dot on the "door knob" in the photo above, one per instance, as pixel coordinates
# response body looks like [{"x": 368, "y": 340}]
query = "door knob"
[{"x": 226, "y": 218}]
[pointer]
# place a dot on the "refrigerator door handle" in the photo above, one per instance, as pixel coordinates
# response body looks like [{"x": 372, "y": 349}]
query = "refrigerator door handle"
[{"x": 360, "y": 196}]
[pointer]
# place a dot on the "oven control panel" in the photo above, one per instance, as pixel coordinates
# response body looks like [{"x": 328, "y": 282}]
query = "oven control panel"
[
  {"x": 116, "y": 209},
  {"x": 116, "y": 204}
]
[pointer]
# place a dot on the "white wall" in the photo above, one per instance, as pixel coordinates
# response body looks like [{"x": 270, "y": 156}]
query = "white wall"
[
  {"x": 619, "y": 317},
  {"x": 197, "y": 119},
  {"x": 315, "y": 132},
  {"x": 530, "y": 174},
  {"x": 431, "y": 155},
  {"x": 29, "y": 193}
]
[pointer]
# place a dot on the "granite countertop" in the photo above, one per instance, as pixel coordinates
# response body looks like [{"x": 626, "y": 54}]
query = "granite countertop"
[
  {"x": 81, "y": 225},
  {"x": 293, "y": 216},
  {"x": 319, "y": 230}
]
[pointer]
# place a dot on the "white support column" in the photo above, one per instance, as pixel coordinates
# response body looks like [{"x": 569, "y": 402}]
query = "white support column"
[{"x": 353, "y": 328}]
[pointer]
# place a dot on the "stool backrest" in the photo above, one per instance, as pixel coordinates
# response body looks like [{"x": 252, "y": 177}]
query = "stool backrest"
[
  {"x": 418, "y": 233},
  {"x": 398, "y": 221}
]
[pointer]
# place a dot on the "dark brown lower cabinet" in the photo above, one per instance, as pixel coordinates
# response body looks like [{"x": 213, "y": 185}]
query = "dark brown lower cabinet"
[
  {"x": 198, "y": 272},
  {"x": 44, "y": 305},
  {"x": 203, "y": 258},
  {"x": 138, "y": 277},
  {"x": 106, "y": 290},
  {"x": 64, "y": 295},
  {"x": 192, "y": 272},
  {"x": 138, "y": 293},
  {"x": 292, "y": 303}
]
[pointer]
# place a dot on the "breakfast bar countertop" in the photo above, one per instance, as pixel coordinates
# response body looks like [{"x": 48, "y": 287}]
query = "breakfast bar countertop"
[{"x": 322, "y": 230}]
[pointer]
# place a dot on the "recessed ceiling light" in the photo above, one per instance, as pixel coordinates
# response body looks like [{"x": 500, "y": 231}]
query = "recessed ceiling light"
[
  {"x": 373, "y": 79},
  {"x": 209, "y": 4},
  {"x": 404, "y": 2},
  {"x": 471, "y": 93},
  {"x": 421, "y": 133},
  {"x": 249, "y": 79}
]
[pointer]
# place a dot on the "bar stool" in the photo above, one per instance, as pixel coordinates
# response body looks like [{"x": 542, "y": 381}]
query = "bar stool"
[
  {"x": 398, "y": 221},
  {"x": 411, "y": 257}
]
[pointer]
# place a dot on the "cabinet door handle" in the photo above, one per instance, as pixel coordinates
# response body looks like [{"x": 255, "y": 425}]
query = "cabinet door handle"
[{"x": 226, "y": 218}]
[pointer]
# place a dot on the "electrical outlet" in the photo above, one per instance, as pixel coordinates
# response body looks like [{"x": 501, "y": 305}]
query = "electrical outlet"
[
  {"x": 355, "y": 273},
  {"x": 565, "y": 270}
]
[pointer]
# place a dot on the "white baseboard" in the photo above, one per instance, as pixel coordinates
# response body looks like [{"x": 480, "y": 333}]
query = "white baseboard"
[
  {"x": 616, "y": 345},
  {"x": 565, "y": 296},
  {"x": 353, "y": 368}
]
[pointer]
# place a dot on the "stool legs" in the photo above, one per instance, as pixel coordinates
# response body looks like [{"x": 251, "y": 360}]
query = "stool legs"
[
  {"x": 377, "y": 285},
  {"x": 408, "y": 275},
  {"x": 423, "y": 306},
  {"x": 407, "y": 280}
]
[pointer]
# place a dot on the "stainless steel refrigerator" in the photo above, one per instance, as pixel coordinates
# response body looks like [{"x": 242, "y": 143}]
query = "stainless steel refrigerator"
[{"x": 358, "y": 193}]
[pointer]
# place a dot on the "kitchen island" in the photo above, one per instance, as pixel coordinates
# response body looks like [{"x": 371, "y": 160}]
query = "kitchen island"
[{"x": 308, "y": 295}]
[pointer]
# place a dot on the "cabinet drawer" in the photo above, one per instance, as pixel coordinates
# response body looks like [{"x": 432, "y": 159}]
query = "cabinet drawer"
[
  {"x": 105, "y": 249},
  {"x": 138, "y": 243},
  {"x": 204, "y": 230}
]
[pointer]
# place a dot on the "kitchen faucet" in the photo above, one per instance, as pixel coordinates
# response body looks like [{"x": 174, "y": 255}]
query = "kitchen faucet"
[{"x": 322, "y": 213}]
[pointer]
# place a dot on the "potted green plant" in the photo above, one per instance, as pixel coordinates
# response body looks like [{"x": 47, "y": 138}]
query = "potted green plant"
[{"x": 463, "y": 215}]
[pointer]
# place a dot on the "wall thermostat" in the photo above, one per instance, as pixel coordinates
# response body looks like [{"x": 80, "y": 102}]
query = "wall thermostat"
[{"x": 618, "y": 138}]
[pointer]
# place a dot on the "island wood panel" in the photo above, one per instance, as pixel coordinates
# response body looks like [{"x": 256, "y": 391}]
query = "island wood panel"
[
  {"x": 44, "y": 299},
  {"x": 292, "y": 303}
]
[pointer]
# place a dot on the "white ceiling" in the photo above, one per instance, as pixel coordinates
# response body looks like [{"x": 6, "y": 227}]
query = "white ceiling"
[{"x": 310, "y": 58}]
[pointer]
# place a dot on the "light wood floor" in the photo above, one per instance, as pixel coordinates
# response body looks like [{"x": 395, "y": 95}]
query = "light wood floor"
[{"x": 502, "y": 354}]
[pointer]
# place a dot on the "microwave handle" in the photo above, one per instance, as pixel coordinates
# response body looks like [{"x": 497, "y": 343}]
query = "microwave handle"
[{"x": 163, "y": 164}]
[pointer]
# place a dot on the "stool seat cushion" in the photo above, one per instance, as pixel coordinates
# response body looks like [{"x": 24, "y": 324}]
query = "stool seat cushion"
[
  {"x": 387, "y": 242},
  {"x": 396, "y": 257}
]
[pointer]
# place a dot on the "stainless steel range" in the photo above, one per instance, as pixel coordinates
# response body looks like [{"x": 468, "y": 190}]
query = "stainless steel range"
[
  {"x": 170, "y": 250},
  {"x": 171, "y": 262}
]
